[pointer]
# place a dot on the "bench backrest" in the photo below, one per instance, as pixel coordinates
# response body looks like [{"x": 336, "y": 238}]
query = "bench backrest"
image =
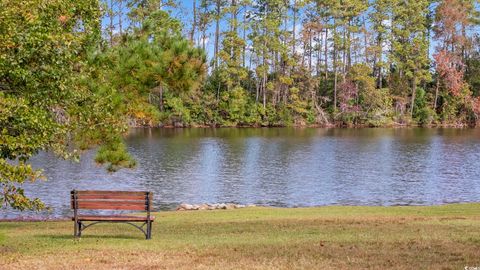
[{"x": 111, "y": 200}]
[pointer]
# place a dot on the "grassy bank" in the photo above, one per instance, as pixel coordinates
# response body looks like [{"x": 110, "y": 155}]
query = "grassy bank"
[{"x": 438, "y": 237}]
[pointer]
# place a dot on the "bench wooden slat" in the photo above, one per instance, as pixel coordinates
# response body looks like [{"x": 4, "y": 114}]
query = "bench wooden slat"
[
  {"x": 111, "y": 197},
  {"x": 107, "y": 192},
  {"x": 114, "y": 218},
  {"x": 99, "y": 206},
  {"x": 110, "y": 202}
]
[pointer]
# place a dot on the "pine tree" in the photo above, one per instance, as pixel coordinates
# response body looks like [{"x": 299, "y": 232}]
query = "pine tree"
[
  {"x": 409, "y": 44},
  {"x": 232, "y": 72},
  {"x": 379, "y": 19}
]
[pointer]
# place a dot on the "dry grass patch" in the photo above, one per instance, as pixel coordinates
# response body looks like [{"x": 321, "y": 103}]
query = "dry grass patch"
[{"x": 441, "y": 237}]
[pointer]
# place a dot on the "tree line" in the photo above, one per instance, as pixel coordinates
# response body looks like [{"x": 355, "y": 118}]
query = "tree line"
[{"x": 315, "y": 62}]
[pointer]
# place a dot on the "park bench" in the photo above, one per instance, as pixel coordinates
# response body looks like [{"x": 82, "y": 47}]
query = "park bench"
[{"x": 112, "y": 200}]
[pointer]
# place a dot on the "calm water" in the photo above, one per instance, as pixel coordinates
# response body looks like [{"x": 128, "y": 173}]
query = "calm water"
[{"x": 280, "y": 167}]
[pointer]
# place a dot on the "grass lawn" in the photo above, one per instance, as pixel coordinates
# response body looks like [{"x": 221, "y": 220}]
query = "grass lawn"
[{"x": 334, "y": 237}]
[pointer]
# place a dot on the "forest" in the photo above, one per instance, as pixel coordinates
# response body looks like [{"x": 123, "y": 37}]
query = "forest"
[
  {"x": 78, "y": 74},
  {"x": 295, "y": 62}
]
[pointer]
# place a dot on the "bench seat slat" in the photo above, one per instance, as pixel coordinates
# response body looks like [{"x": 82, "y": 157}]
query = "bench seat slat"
[
  {"x": 99, "y": 206},
  {"x": 114, "y": 218},
  {"x": 111, "y": 197},
  {"x": 107, "y": 192},
  {"x": 114, "y": 202}
]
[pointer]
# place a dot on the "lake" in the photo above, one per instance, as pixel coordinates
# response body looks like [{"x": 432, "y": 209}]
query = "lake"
[{"x": 282, "y": 167}]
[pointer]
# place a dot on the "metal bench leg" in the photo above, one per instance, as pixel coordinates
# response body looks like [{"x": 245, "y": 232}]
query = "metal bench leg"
[
  {"x": 77, "y": 230},
  {"x": 149, "y": 230},
  {"x": 150, "y": 235},
  {"x": 147, "y": 235}
]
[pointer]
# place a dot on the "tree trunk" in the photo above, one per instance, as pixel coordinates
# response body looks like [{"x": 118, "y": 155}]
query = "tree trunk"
[
  {"x": 310, "y": 50},
  {"x": 365, "y": 40},
  {"x": 335, "y": 84},
  {"x": 414, "y": 92},
  {"x": 264, "y": 89},
  {"x": 294, "y": 41},
  {"x": 120, "y": 17},
  {"x": 436, "y": 94},
  {"x": 204, "y": 36},
  {"x": 319, "y": 53},
  {"x": 160, "y": 94},
  {"x": 334, "y": 69},
  {"x": 111, "y": 16},
  {"x": 244, "y": 49},
  {"x": 464, "y": 37},
  {"x": 304, "y": 54},
  {"x": 344, "y": 54},
  {"x": 379, "y": 61},
  {"x": 217, "y": 34},
  {"x": 349, "y": 46},
  {"x": 326, "y": 59},
  {"x": 194, "y": 23},
  {"x": 264, "y": 81},
  {"x": 257, "y": 91},
  {"x": 233, "y": 26}
]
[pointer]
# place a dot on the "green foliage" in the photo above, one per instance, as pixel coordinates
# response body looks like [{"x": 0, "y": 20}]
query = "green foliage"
[
  {"x": 298, "y": 107},
  {"x": 114, "y": 154},
  {"x": 176, "y": 113},
  {"x": 410, "y": 44},
  {"x": 48, "y": 100},
  {"x": 24, "y": 131},
  {"x": 203, "y": 108},
  {"x": 377, "y": 106},
  {"x": 233, "y": 105},
  {"x": 472, "y": 77},
  {"x": 343, "y": 71},
  {"x": 457, "y": 109},
  {"x": 422, "y": 112},
  {"x": 154, "y": 68}
]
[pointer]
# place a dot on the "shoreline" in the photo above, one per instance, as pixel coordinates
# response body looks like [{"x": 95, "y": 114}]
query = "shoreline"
[{"x": 340, "y": 126}]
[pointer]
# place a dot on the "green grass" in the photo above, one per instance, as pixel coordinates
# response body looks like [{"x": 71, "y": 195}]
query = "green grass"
[{"x": 336, "y": 237}]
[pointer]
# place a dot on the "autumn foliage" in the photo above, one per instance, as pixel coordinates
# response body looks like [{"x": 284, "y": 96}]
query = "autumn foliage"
[
  {"x": 453, "y": 20},
  {"x": 450, "y": 69}
]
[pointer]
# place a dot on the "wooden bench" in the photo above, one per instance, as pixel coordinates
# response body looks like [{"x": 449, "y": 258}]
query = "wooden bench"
[{"x": 112, "y": 200}]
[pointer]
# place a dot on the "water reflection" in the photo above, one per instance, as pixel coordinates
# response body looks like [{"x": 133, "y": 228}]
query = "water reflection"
[{"x": 281, "y": 167}]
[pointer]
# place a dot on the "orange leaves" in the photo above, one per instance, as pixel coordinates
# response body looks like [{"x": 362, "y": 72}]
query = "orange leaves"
[
  {"x": 452, "y": 17},
  {"x": 450, "y": 69}
]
